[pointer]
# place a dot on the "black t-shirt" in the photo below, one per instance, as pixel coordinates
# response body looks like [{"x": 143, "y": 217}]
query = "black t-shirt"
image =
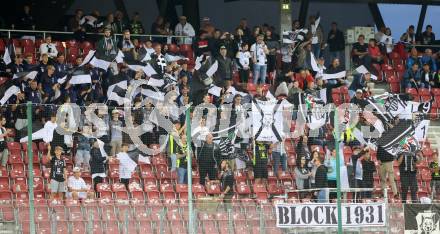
[
  {"x": 435, "y": 166},
  {"x": 227, "y": 180},
  {"x": 408, "y": 163},
  {"x": 360, "y": 48},
  {"x": 321, "y": 177},
  {"x": 57, "y": 169},
  {"x": 368, "y": 168},
  {"x": 261, "y": 154}
]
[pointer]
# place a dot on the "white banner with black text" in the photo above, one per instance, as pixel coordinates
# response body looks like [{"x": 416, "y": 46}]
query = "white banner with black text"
[{"x": 326, "y": 215}]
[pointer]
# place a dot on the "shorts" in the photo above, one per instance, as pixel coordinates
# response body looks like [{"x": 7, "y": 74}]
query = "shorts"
[
  {"x": 57, "y": 187},
  {"x": 260, "y": 171},
  {"x": 81, "y": 195}
]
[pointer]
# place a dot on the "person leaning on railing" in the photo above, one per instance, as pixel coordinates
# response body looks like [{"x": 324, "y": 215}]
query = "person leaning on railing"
[
  {"x": 4, "y": 153},
  {"x": 435, "y": 176}
]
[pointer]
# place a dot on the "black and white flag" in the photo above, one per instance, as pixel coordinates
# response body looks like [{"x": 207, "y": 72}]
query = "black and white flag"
[
  {"x": 400, "y": 138},
  {"x": 297, "y": 36},
  {"x": 267, "y": 120},
  {"x": 7, "y": 56},
  {"x": 422, "y": 218},
  {"x": 7, "y": 91},
  {"x": 117, "y": 89}
]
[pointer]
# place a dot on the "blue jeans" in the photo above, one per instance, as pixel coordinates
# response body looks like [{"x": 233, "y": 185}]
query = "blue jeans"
[
  {"x": 322, "y": 196},
  {"x": 316, "y": 50},
  {"x": 277, "y": 157},
  {"x": 182, "y": 175},
  {"x": 260, "y": 73},
  {"x": 173, "y": 162}
]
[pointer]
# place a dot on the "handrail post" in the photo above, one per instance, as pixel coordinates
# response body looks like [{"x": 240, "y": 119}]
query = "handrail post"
[
  {"x": 189, "y": 169},
  {"x": 30, "y": 168}
]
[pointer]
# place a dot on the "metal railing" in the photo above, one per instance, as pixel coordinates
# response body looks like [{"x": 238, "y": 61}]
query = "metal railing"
[
  {"x": 10, "y": 33},
  {"x": 208, "y": 216}
]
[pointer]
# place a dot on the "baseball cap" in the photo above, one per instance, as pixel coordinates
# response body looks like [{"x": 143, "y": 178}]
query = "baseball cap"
[
  {"x": 115, "y": 111},
  {"x": 359, "y": 91},
  {"x": 76, "y": 169},
  {"x": 222, "y": 47}
]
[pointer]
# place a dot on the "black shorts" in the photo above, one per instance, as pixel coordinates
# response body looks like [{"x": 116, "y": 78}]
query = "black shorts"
[{"x": 260, "y": 171}]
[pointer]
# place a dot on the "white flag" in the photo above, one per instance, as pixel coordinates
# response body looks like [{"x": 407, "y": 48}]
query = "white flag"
[
  {"x": 173, "y": 58},
  {"x": 88, "y": 58},
  {"x": 155, "y": 82},
  {"x": 7, "y": 57},
  {"x": 13, "y": 90},
  {"x": 156, "y": 95},
  {"x": 147, "y": 57},
  {"x": 338, "y": 75},
  {"x": 81, "y": 79},
  {"x": 363, "y": 70},
  {"x": 120, "y": 57},
  {"x": 198, "y": 62},
  {"x": 125, "y": 162},
  {"x": 62, "y": 80},
  {"x": 100, "y": 63},
  {"x": 101, "y": 148},
  {"x": 46, "y": 133},
  {"x": 149, "y": 70},
  {"x": 421, "y": 132},
  {"x": 215, "y": 90},
  {"x": 270, "y": 96},
  {"x": 323, "y": 95},
  {"x": 212, "y": 69},
  {"x": 313, "y": 62}
]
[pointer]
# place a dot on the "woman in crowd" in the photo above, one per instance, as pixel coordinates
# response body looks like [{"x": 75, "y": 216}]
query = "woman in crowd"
[{"x": 302, "y": 177}]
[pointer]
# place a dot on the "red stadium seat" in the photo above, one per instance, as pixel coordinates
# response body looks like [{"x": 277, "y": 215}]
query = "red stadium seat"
[
  {"x": 425, "y": 95},
  {"x": 242, "y": 189},
  {"x": 3, "y": 80},
  {"x": 14, "y": 147},
  {"x": 4, "y": 184},
  {"x": 104, "y": 190},
  {"x": 413, "y": 92},
  {"x": 394, "y": 84},
  {"x": 17, "y": 170},
  {"x": 213, "y": 188},
  {"x": 400, "y": 70},
  {"x": 198, "y": 190},
  {"x": 3, "y": 172},
  {"x": 86, "y": 46}
]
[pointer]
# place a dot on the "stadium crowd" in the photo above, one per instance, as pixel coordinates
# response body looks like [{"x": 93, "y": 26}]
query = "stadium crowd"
[{"x": 251, "y": 60}]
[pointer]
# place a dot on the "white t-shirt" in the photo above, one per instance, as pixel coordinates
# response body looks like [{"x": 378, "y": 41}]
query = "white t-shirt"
[
  {"x": 185, "y": 30},
  {"x": 49, "y": 49},
  {"x": 77, "y": 184},
  {"x": 258, "y": 51},
  {"x": 388, "y": 42},
  {"x": 244, "y": 58}
]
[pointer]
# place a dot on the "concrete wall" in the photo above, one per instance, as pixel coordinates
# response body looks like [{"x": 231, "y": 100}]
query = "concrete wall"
[{"x": 227, "y": 15}]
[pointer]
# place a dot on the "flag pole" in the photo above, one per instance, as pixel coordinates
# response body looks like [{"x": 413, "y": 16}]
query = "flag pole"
[
  {"x": 30, "y": 168},
  {"x": 189, "y": 169},
  {"x": 338, "y": 171}
]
